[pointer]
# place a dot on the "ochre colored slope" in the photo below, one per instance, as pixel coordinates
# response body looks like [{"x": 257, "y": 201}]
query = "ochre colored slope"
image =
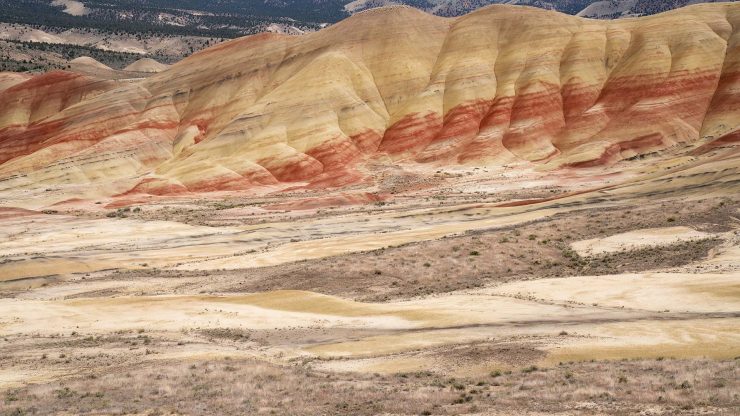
[{"x": 500, "y": 85}]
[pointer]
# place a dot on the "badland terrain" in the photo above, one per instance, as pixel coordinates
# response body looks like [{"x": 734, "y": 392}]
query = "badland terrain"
[{"x": 514, "y": 211}]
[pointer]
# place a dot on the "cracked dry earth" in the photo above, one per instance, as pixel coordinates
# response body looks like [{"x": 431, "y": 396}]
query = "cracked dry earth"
[{"x": 621, "y": 300}]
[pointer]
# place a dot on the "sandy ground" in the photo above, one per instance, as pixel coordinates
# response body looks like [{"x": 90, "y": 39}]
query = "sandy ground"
[{"x": 637, "y": 239}]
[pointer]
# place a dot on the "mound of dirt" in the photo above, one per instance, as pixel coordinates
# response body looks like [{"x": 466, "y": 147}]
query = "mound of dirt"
[
  {"x": 86, "y": 62},
  {"x": 146, "y": 65}
]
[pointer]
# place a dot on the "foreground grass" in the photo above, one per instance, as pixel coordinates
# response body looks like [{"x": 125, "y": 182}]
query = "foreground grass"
[{"x": 664, "y": 386}]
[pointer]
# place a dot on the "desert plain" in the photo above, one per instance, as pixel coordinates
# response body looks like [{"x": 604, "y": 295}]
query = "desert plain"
[{"x": 446, "y": 298}]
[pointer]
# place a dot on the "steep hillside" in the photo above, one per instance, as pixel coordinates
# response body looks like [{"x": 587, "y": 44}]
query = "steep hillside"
[{"x": 503, "y": 85}]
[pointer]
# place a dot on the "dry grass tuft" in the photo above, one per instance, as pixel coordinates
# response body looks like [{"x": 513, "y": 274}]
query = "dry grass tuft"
[{"x": 250, "y": 387}]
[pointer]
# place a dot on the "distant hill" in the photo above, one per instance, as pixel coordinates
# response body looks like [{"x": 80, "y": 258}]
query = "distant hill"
[
  {"x": 600, "y": 9},
  {"x": 146, "y": 65},
  {"x": 232, "y": 18},
  {"x": 224, "y": 19}
]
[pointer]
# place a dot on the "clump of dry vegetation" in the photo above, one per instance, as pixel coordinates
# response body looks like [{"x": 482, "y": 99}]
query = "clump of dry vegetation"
[
  {"x": 535, "y": 250},
  {"x": 232, "y": 386}
]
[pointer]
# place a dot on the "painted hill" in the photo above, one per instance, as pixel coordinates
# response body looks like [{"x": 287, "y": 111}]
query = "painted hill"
[
  {"x": 8, "y": 79},
  {"x": 502, "y": 85},
  {"x": 146, "y": 65},
  {"x": 91, "y": 67}
]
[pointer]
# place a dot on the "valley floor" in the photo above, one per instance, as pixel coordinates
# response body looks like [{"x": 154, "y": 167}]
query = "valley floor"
[{"x": 460, "y": 291}]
